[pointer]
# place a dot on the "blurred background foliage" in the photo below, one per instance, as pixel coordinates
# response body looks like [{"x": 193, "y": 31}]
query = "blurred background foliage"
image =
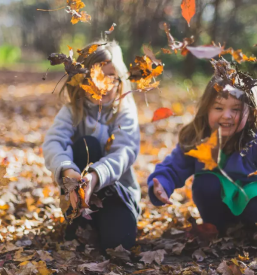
[{"x": 28, "y": 36}]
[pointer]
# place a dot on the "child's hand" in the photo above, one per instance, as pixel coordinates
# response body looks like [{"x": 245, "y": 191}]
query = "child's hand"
[
  {"x": 159, "y": 192},
  {"x": 92, "y": 180},
  {"x": 73, "y": 175}
]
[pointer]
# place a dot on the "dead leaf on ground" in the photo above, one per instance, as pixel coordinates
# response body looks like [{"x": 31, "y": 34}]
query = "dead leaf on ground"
[{"x": 150, "y": 256}]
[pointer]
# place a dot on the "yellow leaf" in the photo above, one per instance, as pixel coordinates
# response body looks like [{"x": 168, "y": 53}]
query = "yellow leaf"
[
  {"x": 109, "y": 143},
  {"x": 76, "y": 80},
  {"x": 101, "y": 81},
  {"x": 75, "y": 4},
  {"x": 203, "y": 152}
]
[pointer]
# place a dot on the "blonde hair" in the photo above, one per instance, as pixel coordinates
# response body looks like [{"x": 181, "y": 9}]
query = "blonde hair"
[{"x": 108, "y": 51}]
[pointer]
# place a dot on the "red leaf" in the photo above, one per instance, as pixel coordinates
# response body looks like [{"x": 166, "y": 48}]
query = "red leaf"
[
  {"x": 188, "y": 10},
  {"x": 162, "y": 113}
]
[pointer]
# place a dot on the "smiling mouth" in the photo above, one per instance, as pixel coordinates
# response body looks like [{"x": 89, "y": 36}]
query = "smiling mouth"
[{"x": 226, "y": 125}]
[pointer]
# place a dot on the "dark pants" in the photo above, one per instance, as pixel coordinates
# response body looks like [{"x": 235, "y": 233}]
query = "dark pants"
[
  {"x": 115, "y": 224},
  {"x": 207, "y": 197}
]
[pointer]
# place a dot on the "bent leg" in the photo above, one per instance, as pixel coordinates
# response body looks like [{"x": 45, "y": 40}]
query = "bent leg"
[
  {"x": 207, "y": 197},
  {"x": 116, "y": 224},
  {"x": 249, "y": 215}
]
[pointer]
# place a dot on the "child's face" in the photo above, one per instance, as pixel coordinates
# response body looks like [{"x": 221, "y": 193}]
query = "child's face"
[
  {"x": 109, "y": 70},
  {"x": 225, "y": 113}
]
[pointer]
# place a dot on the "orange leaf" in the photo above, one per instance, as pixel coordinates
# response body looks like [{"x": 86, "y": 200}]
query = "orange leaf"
[
  {"x": 162, "y": 113},
  {"x": 76, "y": 80},
  {"x": 101, "y": 81},
  {"x": 145, "y": 84},
  {"x": 75, "y": 4},
  {"x": 188, "y": 10},
  {"x": 252, "y": 174},
  {"x": 83, "y": 17},
  {"x": 217, "y": 87},
  {"x": 166, "y": 51},
  {"x": 81, "y": 193},
  {"x": 203, "y": 152},
  {"x": 111, "y": 29},
  {"x": 109, "y": 143},
  {"x": 92, "y": 89}
]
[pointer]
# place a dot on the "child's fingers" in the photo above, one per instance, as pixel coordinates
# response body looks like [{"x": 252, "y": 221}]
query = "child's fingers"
[{"x": 87, "y": 177}]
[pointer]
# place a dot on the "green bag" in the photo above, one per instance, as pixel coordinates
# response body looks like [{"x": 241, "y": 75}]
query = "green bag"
[{"x": 231, "y": 194}]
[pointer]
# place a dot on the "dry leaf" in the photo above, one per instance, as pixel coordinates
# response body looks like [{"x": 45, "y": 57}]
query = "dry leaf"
[
  {"x": 120, "y": 253},
  {"x": 96, "y": 267},
  {"x": 188, "y": 10},
  {"x": 199, "y": 255},
  {"x": 203, "y": 152},
  {"x": 109, "y": 142},
  {"x": 150, "y": 256},
  {"x": 205, "y": 51},
  {"x": 111, "y": 29},
  {"x": 162, "y": 113},
  {"x": 76, "y": 80}
]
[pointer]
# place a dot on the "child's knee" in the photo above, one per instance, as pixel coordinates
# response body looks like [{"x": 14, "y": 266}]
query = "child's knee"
[{"x": 206, "y": 186}]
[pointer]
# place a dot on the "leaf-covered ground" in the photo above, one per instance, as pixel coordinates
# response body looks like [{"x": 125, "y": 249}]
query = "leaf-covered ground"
[{"x": 32, "y": 225}]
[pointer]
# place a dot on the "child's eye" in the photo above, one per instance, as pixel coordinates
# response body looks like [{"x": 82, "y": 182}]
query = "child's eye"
[
  {"x": 236, "y": 110},
  {"x": 218, "y": 108}
]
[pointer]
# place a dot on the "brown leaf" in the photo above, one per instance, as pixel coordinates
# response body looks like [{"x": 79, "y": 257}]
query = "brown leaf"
[
  {"x": 111, "y": 29},
  {"x": 199, "y": 255},
  {"x": 96, "y": 267},
  {"x": 120, "y": 253},
  {"x": 150, "y": 256}
]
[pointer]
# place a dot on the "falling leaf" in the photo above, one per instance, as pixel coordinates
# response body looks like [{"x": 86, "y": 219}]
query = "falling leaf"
[
  {"x": 145, "y": 68},
  {"x": 176, "y": 45},
  {"x": 96, "y": 267},
  {"x": 203, "y": 151},
  {"x": 75, "y": 4},
  {"x": 217, "y": 87},
  {"x": 205, "y": 51},
  {"x": 144, "y": 84},
  {"x": 233, "y": 91},
  {"x": 101, "y": 81},
  {"x": 150, "y": 256},
  {"x": 111, "y": 29},
  {"x": 109, "y": 142},
  {"x": 238, "y": 55},
  {"x": 120, "y": 253},
  {"x": 80, "y": 17},
  {"x": 188, "y": 10},
  {"x": 148, "y": 52},
  {"x": 92, "y": 89},
  {"x": 166, "y": 51},
  {"x": 162, "y": 113},
  {"x": 76, "y": 80},
  {"x": 91, "y": 50}
]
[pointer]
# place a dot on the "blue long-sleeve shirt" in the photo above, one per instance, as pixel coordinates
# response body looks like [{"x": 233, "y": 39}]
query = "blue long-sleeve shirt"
[{"x": 178, "y": 167}]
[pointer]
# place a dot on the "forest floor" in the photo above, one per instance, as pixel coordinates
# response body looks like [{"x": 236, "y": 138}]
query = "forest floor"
[{"x": 172, "y": 239}]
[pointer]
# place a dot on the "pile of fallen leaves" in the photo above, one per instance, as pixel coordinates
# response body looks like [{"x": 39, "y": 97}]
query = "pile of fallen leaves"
[{"x": 169, "y": 240}]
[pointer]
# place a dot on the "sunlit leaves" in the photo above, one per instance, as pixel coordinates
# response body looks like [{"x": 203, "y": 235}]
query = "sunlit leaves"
[
  {"x": 99, "y": 84},
  {"x": 203, "y": 152},
  {"x": 174, "y": 45},
  {"x": 111, "y": 29},
  {"x": 73, "y": 8},
  {"x": 238, "y": 55}
]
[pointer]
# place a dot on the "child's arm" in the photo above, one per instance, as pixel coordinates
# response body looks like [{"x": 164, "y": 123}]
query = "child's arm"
[
  {"x": 57, "y": 145},
  {"x": 171, "y": 173},
  {"x": 123, "y": 151}
]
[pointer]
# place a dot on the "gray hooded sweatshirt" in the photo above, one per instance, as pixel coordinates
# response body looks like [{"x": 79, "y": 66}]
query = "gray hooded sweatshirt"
[{"x": 116, "y": 164}]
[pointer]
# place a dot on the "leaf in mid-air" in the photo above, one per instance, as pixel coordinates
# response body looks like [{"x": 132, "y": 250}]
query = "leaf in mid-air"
[
  {"x": 162, "y": 113},
  {"x": 188, "y": 10},
  {"x": 205, "y": 51},
  {"x": 177, "y": 45},
  {"x": 111, "y": 29},
  {"x": 76, "y": 80},
  {"x": 203, "y": 152}
]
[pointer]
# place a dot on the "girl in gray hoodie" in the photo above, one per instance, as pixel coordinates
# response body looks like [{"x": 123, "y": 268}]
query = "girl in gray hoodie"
[{"x": 111, "y": 175}]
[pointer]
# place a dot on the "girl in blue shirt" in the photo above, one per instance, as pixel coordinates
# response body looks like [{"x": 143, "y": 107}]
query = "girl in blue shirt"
[{"x": 228, "y": 103}]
